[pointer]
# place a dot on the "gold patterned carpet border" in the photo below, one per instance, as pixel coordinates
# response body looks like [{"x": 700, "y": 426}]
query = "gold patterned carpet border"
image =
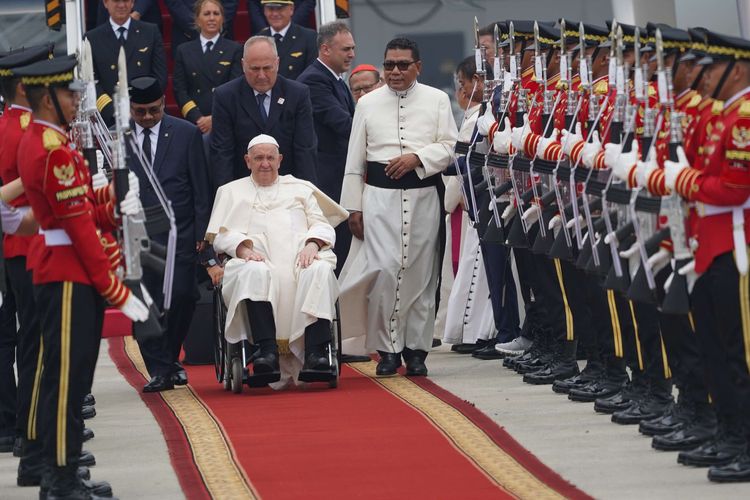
[
  {"x": 470, "y": 440},
  {"x": 213, "y": 455}
]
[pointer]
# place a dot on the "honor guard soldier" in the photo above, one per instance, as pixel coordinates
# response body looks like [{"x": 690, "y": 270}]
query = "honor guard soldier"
[
  {"x": 72, "y": 273},
  {"x": 719, "y": 184},
  {"x": 143, "y": 47},
  {"x": 297, "y": 46}
]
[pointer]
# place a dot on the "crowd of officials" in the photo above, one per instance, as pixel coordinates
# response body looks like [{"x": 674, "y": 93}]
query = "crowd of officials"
[{"x": 292, "y": 90}]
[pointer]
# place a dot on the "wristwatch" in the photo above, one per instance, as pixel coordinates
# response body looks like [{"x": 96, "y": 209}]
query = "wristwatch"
[{"x": 211, "y": 262}]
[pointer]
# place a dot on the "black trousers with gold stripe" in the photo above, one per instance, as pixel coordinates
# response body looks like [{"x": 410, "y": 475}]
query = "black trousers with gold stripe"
[
  {"x": 27, "y": 356},
  {"x": 721, "y": 307},
  {"x": 71, "y": 315},
  {"x": 7, "y": 359}
]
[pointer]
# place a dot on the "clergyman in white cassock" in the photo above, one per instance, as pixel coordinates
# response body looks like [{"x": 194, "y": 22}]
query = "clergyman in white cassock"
[
  {"x": 277, "y": 221},
  {"x": 402, "y": 137},
  {"x": 469, "y": 315}
]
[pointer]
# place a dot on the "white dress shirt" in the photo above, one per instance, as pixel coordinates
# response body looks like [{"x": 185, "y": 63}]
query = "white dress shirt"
[
  {"x": 205, "y": 40},
  {"x": 116, "y": 26},
  {"x": 154, "y": 138}
]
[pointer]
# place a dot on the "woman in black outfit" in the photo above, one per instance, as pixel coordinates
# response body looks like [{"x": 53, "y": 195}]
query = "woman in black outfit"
[{"x": 205, "y": 63}]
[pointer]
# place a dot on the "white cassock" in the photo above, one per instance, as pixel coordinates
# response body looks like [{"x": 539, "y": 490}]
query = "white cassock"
[
  {"x": 279, "y": 220},
  {"x": 389, "y": 282},
  {"x": 469, "y": 315}
]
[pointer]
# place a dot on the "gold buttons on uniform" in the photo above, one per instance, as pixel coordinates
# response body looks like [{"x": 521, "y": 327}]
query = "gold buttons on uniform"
[
  {"x": 113, "y": 67},
  {"x": 291, "y": 67}
]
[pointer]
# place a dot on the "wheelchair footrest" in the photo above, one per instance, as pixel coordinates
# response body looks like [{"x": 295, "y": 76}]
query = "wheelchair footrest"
[
  {"x": 316, "y": 375},
  {"x": 263, "y": 379}
]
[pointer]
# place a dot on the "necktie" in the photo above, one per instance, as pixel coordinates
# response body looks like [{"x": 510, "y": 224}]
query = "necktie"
[
  {"x": 278, "y": 39},
  {"x": 209, "y": 46},
  {"x": 261, "y": 107},
  {"x": 121, "y": 38},
  {"x": 146, "y": 147},
  {"x": 347, "y": 94}
]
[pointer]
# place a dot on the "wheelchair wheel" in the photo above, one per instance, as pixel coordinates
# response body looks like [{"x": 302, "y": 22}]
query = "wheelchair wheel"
[
  {"x": 227, "y": 374},
  {"x": 236, "y": 375},
  {"x": 220, "y": 344},
  {"x": 335, "y": 349}
]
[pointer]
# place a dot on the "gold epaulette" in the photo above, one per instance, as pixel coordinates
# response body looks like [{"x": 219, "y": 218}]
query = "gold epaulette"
[
  {"x": 601, "y": 87},
  {"x": 52, "y": 139},
  {"x": 695, "y": 101},
  {"x": 745, "y": 108},
  {"x": 717, "y": 107},
  {"x": 24, "y": 120}
]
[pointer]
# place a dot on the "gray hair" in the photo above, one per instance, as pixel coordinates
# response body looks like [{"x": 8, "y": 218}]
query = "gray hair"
[
  {"x": 330, "y": 30},
  {"x": 261, "y": 39}
]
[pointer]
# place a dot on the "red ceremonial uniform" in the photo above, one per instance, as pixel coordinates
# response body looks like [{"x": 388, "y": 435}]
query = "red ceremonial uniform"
[
  {"x": 58, "y": 186},
  {"x": 13, "y": 124},
  {"x": 724, "y": 181}
]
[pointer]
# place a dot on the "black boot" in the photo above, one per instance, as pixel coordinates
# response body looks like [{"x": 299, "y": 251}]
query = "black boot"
[
  {"x": 631, "y": 392},
  {"x": 563, "y": 365},
  {"x": 388, "y": 364},
  {"x": 96, "y": 488},
  {"x": 317, "y": 337},
  {"x": 656, "y": 402},
  {"x": 728, "y": 443},
  {"x": 674, "y": 417},
  {"x": 590, "y": 373},
  {"x": 64, "y": 484},
  {"x": 415, "y": 366},
  {"x": 538, "y": 357},
  {"x": 737, "y": 471},
  {"x": 698, "y": 430}
]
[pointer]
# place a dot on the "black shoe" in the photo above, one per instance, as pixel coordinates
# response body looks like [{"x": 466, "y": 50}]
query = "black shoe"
[
  {"x": 266, "y": 363},
  {"x": 437, "y": 342},
  {"x": 388, "y": 364},
  {"x": 622, "y": 399},
  {"x": 87, "y": 434},
  {"x": 31, "y": 474},
  {"x": 179, "y": 377},
  {"x": 87, "y": 459},
  {"x": 464, "y": 348},
  {"x": 488, "y": 352},
  {"x": 534, "y": 364},
  {"x": 353, "y": 358},
  {"x": 685, "y": 438},
  {"x": 6, "y": 443},
  {"x": 674, "y": 418},
  {"x": 555, "y": 371},
  {"x": 316, "y": 361},
  {"x": 157, "y": 383},
  {"x": 721, "y": 450},
  {"x": 97, "y": 489},
  {"x": 415, "y": 366},
  {"x": 18, "y": 447},
  {"x": 88, "y": 412},
  {"x": 737, "y": 471},
  {"x": 589, "y": 374},
  {"x": 89, "y": 400}
]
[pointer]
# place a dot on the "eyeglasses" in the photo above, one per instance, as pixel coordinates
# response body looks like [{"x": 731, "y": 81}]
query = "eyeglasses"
[
  {"x": 402, "y": 65},
  {"x": 153, "y": 110},
  {"x": 363, "y": 89}
]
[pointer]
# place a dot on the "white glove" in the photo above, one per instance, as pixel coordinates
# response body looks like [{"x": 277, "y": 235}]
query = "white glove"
[
  {"x": 555, "y": 224},
  {"x": 648, "y": 169},
  {"x": 133, "y": 184},
  {"x": 611, "y": 154},
  {"x": 634, "y": 257},
  {"x": 623, "y": 162},
  {"x": 99, "y": 161},
  {"x": 485, "y": 122},
  {"x": 673, "y": 168},
  {"x": 131, "y": 204},
  {"x": 531, "y": 215},
  {"x": 570, "y": 139},
  {"x": 659, "y": 260},
  {"x": 134, "y": 309},
  {"x": 99, "y": 180},
  {"x": 509, "y": 212},
  {"x": 544, "y": 142},
  {"x": 572, "y": 221},
  {"x": 501, "y": 140},
  {"x": 146, "y": 296},
  {"x": 688, "y": 270},
  {"x": 519, "y": 133},
  {"x": 591, "y": 149}
]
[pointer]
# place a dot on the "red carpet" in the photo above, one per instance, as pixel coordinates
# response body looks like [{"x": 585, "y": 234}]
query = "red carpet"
[{"x": 384, "y": 438}]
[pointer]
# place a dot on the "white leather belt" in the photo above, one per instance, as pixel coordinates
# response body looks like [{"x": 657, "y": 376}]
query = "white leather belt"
[
  {"x": 55, "y": 237},
  {"x": 738, "y": 230},
  {"x": 24, "y": 210}
]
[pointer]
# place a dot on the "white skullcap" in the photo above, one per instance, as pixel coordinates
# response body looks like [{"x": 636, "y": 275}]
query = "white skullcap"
[{"x": 261, "y": 139}]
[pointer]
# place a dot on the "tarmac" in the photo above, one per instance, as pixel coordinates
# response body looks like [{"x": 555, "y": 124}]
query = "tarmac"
[{"x": 605, "y": 460}]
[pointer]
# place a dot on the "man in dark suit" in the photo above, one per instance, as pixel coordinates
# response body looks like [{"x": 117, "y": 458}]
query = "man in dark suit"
[
  {"x": 262, "y": 102},
  {"x": 333, "y": 109},
  {"x": 182, "y": 13},
  {"x": 175, "y": 147},
  {"x": 144, "y": 52},
  {"x": 297, "y": 46},
  {"x": 304, "y": 11}
]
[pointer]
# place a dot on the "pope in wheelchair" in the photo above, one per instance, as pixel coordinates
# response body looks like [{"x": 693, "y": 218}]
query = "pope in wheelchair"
[{"x": 278, "y": 285}]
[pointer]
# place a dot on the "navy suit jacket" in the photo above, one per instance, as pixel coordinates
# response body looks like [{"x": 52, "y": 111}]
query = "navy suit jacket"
[
  {"x": 182, "y": 13},
  {"x": 297, "y": 51},
  {"x": 303, "y": 9},
  {"x": 333, "y": 109},
  {"x": 180, "y": 166},
  {"x": 236, "y": 120}
]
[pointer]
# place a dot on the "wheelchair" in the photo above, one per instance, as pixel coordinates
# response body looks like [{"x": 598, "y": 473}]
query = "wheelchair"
[{"x": 231, "y": 360}]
